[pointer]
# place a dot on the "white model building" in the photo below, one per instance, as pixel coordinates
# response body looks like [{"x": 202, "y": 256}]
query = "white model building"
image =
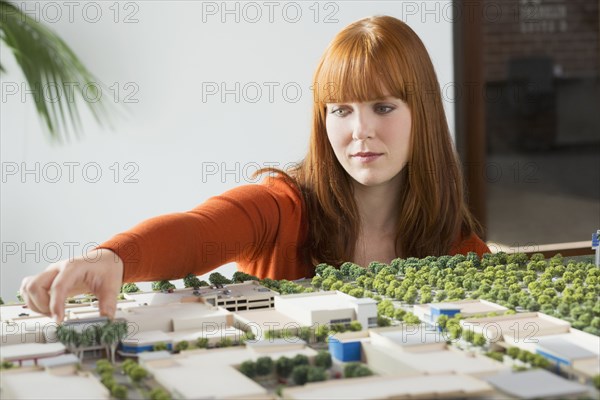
[
  {"x": 249, "y": 295},
  {"x": 429, "y": 313},
  {"x": 409, "y": 350},
  {"x": 213, "y": 373},
  {"x": 37, "y": 383},
  {"x": 333, "y": 307},
  {"x": 393, "y": 387}
]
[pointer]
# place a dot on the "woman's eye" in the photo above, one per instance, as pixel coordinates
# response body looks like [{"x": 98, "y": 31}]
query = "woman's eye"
[
  {"x": 340, "y": 112},
  {"x": 384, "y": 109}
]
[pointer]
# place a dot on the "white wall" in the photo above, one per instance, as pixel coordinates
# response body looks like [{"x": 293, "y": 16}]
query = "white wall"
[{"x": 160, "y": 60}]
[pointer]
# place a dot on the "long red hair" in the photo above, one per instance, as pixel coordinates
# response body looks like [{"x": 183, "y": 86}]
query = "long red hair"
[{"x": 364, "y": 59}]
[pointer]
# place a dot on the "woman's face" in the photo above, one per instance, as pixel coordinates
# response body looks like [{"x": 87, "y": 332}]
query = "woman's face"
[{"x": 371, "y": 140}]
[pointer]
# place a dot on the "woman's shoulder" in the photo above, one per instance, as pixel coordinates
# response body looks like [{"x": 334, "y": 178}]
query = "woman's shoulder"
[
  {"x": 276, "y": 187},
  {"x": 469, "y": 243}
]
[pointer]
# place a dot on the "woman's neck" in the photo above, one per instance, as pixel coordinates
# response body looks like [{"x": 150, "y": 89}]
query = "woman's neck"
[{"x": 378, "y": 206}]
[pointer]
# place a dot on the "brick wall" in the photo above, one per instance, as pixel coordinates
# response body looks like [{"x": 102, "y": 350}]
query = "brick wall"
[{"x": 566, "y": 30}]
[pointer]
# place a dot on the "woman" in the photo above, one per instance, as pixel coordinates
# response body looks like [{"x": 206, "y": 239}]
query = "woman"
[{"x": 381, "y": 180}]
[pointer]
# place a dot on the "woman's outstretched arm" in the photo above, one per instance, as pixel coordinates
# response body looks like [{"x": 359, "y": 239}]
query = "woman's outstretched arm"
[{"x": 250, "y": 222}]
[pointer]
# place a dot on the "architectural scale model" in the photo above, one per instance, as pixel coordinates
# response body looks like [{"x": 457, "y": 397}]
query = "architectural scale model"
[{"x": 503, "y": 326}]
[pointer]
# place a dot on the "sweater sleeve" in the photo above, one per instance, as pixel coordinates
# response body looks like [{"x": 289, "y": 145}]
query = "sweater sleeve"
[
  {"x": 241, "y": 225},
  {"x": 470, "y": 243}
]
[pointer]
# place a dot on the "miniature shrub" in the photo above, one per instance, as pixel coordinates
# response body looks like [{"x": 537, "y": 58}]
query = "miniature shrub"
[
  {"x": 411, "y": 319},
  {"x": 264, "y": 366},
  {"x": 119, "y": 392},
  {"x": 355, "y": 326},
  {"x": 479, "y": 340},
  {"x": 356, "y": 369},
  {"x": 316, "y": 374},
  {"x": 300, "y": 359},
  {"x": 127, "y": 365},
  {"x": 225, "y": 342},
  {"x": 248, "y": 368},
  {"x": 159, "y": 346},
  {"x": 350, "y": 368},
  {"x": 383, "y": 321},
  {"x": 300, "y": 374},
  {"x": 495, "y": 355},
  {"x": 540, "y": 361},
  {"x": 202, "y": 343},
  {"x": 108, "y": 380},
  {"x": 323, "y": 359},
  {"x": 317, "y": 281},
  {"x": 513, "y": 352},
  {"x": 137, "y": 373},
  {"x": 159, "y": 394},
  {"x": 183, "y": 345},
  {"x": 468, "y": 335},
  {"x": 362, "y": 370},
  {"x": 321, "y": 333},
  {"x": 284, "y": 366},
  {"x": 596, "y": 381},
  {"x": 130, "y": 288},
  {"x": 6, "y": 365}
]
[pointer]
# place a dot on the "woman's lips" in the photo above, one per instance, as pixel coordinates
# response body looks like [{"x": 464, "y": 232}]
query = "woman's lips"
[{"x": 366, "y": 157}]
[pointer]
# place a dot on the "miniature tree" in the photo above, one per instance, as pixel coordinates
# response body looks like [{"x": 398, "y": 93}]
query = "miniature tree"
[
  {"x": 332, "y": 272},
  {"x": 218, "y": 279},
  {"x": 264, "y": 366},
  {"x": 1, "y": 301},
  {"x": 162, "y": 286},
  {"x": 191, "y": 281},
  {"x": 248, "y": 368},
  {"x": 596, "y": 381},
  {"x": 240, "y": 277},
  {"x": 284, "y": 366},
  {"x": 317, "y": 281},
  {"x": 111, "y": 335},
  {"x": 129, "y": 288},
  {"x": 323, "y": 359}
]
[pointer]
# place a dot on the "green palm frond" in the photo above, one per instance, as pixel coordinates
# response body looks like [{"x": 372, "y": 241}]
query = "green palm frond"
[{"x": 52, "y": 71}]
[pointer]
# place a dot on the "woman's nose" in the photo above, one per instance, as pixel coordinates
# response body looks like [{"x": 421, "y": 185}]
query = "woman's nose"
[{"x": 363, "y": 127}]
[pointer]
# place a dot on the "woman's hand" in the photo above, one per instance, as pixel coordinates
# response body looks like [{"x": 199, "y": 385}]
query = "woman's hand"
[{"x": 99, "y": 272}]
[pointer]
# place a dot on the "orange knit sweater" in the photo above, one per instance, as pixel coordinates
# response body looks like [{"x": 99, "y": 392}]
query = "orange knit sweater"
[{"x": 261, "y": 227}]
